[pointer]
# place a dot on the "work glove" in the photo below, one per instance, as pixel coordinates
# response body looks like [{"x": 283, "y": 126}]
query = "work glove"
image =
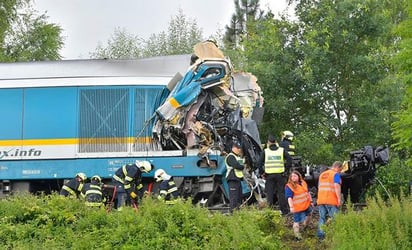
[{"x": 133, "y": 195}]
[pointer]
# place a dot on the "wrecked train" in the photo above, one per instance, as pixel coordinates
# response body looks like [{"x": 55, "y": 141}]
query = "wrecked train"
[{"x": 180, "y": 113}]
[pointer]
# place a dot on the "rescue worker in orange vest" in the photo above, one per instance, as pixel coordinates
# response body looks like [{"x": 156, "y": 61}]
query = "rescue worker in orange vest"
[
  {"x": 92, "y": 192},
  {"x": 128, "y": 181},
  {"x": 167, "y": 189},
  {"x": 300, "y": 202},
  {"x": 74, "y": 186},
  {"x": 329, "y": 195},
  {"x": 274, "y": 159},
  {"x": 234, "y": 175}
]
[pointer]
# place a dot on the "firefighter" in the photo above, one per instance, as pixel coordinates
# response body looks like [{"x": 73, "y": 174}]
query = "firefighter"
[
  {"x": 92, "y": 192},
  {"x": 274, "y": 160},
  {"x": 329, "y": 195},
  {"x": 286, "y": 142},
  {"x": 167, "y": 189},
  {"x": 234, "y": 175},
  {"x": 128, "y": 181},
  {"x": 74, "y": 186}
]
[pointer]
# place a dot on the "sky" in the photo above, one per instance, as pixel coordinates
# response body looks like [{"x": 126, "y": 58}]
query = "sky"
[{"x": 85, "y": 23}]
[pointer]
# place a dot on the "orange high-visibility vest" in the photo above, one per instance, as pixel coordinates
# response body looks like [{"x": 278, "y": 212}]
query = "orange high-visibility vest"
[
  {"x": 301, "y": 197},
  {"x": 326, "y": 189}
]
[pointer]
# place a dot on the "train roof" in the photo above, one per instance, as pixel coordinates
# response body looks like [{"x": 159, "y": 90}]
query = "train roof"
[{"x": 51, "y": 73}]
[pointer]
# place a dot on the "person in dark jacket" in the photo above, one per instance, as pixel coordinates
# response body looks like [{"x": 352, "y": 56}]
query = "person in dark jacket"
[
  {"x": 167, "y": 190},
  {"x": 234, "y": 175},
  {"x": 92, "y": 192},
  {"x": 74, "y": 186},
  {"x": 128, "y": 181},
  {"x": 274, "y": 160},
  {"x": 286, "y": 142}
]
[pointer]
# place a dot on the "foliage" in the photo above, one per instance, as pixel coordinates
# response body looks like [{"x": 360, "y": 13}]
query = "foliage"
[
  {"x": 182, "y": 34},
  {"x": 381, "y": 225},
  {"x": 328, "y": 72},
  {"x": 236, "y": 31},
  {"x": 61, "y": 223},
  {"x": 321, "y": 154},
  {"x": 121, "y": 45},
  {"x": 392, "y": 180},
  {"x": 402, "y": 127},
  {"x": 25, "y": 35}
]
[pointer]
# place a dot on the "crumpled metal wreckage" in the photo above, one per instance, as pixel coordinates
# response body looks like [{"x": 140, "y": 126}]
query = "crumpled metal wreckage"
[{"x": 211, "y": 106}]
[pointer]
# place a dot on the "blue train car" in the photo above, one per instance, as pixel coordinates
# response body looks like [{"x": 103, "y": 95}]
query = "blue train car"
[
  {"x": 65, "y": 117},
  {"x": 93, "y": 116}
]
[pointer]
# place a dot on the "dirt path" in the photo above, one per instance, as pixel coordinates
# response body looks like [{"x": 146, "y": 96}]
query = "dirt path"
[{"x": 310, "y": 240}]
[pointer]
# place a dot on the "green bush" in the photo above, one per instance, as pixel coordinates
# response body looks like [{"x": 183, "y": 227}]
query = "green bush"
[
  {"x": 55, "y": 222},
  {"x": 392, "y": 180},
  {"x": 382, "y": 225}
]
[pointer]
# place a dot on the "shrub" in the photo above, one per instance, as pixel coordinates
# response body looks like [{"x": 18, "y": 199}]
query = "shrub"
[
  {"x": 382, "y": 225},
  {"x": 393, "y": 179},
  {"x": 55, "y": 222}
]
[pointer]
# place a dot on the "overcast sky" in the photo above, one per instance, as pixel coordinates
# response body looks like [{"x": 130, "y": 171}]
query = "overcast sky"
[{"x": 86, "y": 22}]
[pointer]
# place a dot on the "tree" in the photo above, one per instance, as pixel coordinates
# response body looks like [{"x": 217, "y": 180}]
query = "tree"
[
  {"x": 122, "y": 45},
  {"x": 402, "y": 127},
  {"x": 181, "y": 36},
  {"x": 25, "y": 35},
  {"x": 245, "y": 10},
  {"x": 327, "y": 75}
]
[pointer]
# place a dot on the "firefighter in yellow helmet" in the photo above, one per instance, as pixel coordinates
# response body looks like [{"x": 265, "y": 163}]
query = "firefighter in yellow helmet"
[
  {"x": 128, "y": 181},
  {"x": 74, "y": 186},
  {"x": 167, "y": 189}
]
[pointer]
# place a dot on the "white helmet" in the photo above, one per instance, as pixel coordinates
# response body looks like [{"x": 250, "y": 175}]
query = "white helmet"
[
  {"x": 288, "y": 135},
  {"x": 144, "y": 166},
  {"x": 82, "y": 176},
  {"x": 159, "y": 175},
  {"x": 96, "y": 178}
]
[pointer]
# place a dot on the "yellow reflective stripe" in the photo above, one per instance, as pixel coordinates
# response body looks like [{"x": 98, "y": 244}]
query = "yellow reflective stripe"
[
  {"x": 96, "y": 186},
  {"x": 117, "y": 178},
  {"x": 163, "y": 192},
  {"x": 172, "y": 189},
  {"x": 68, "y": 189},
  {"x": 128, "y": 178},
  {"x": 80, "y": 187},
  {"x": 93, "y": 192},
  {"x": 140, "y": 186},
  {"x": 93, "y": 204},
  {"x": 127, "y": 186},
  {"x": 124, "y": 170}
]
